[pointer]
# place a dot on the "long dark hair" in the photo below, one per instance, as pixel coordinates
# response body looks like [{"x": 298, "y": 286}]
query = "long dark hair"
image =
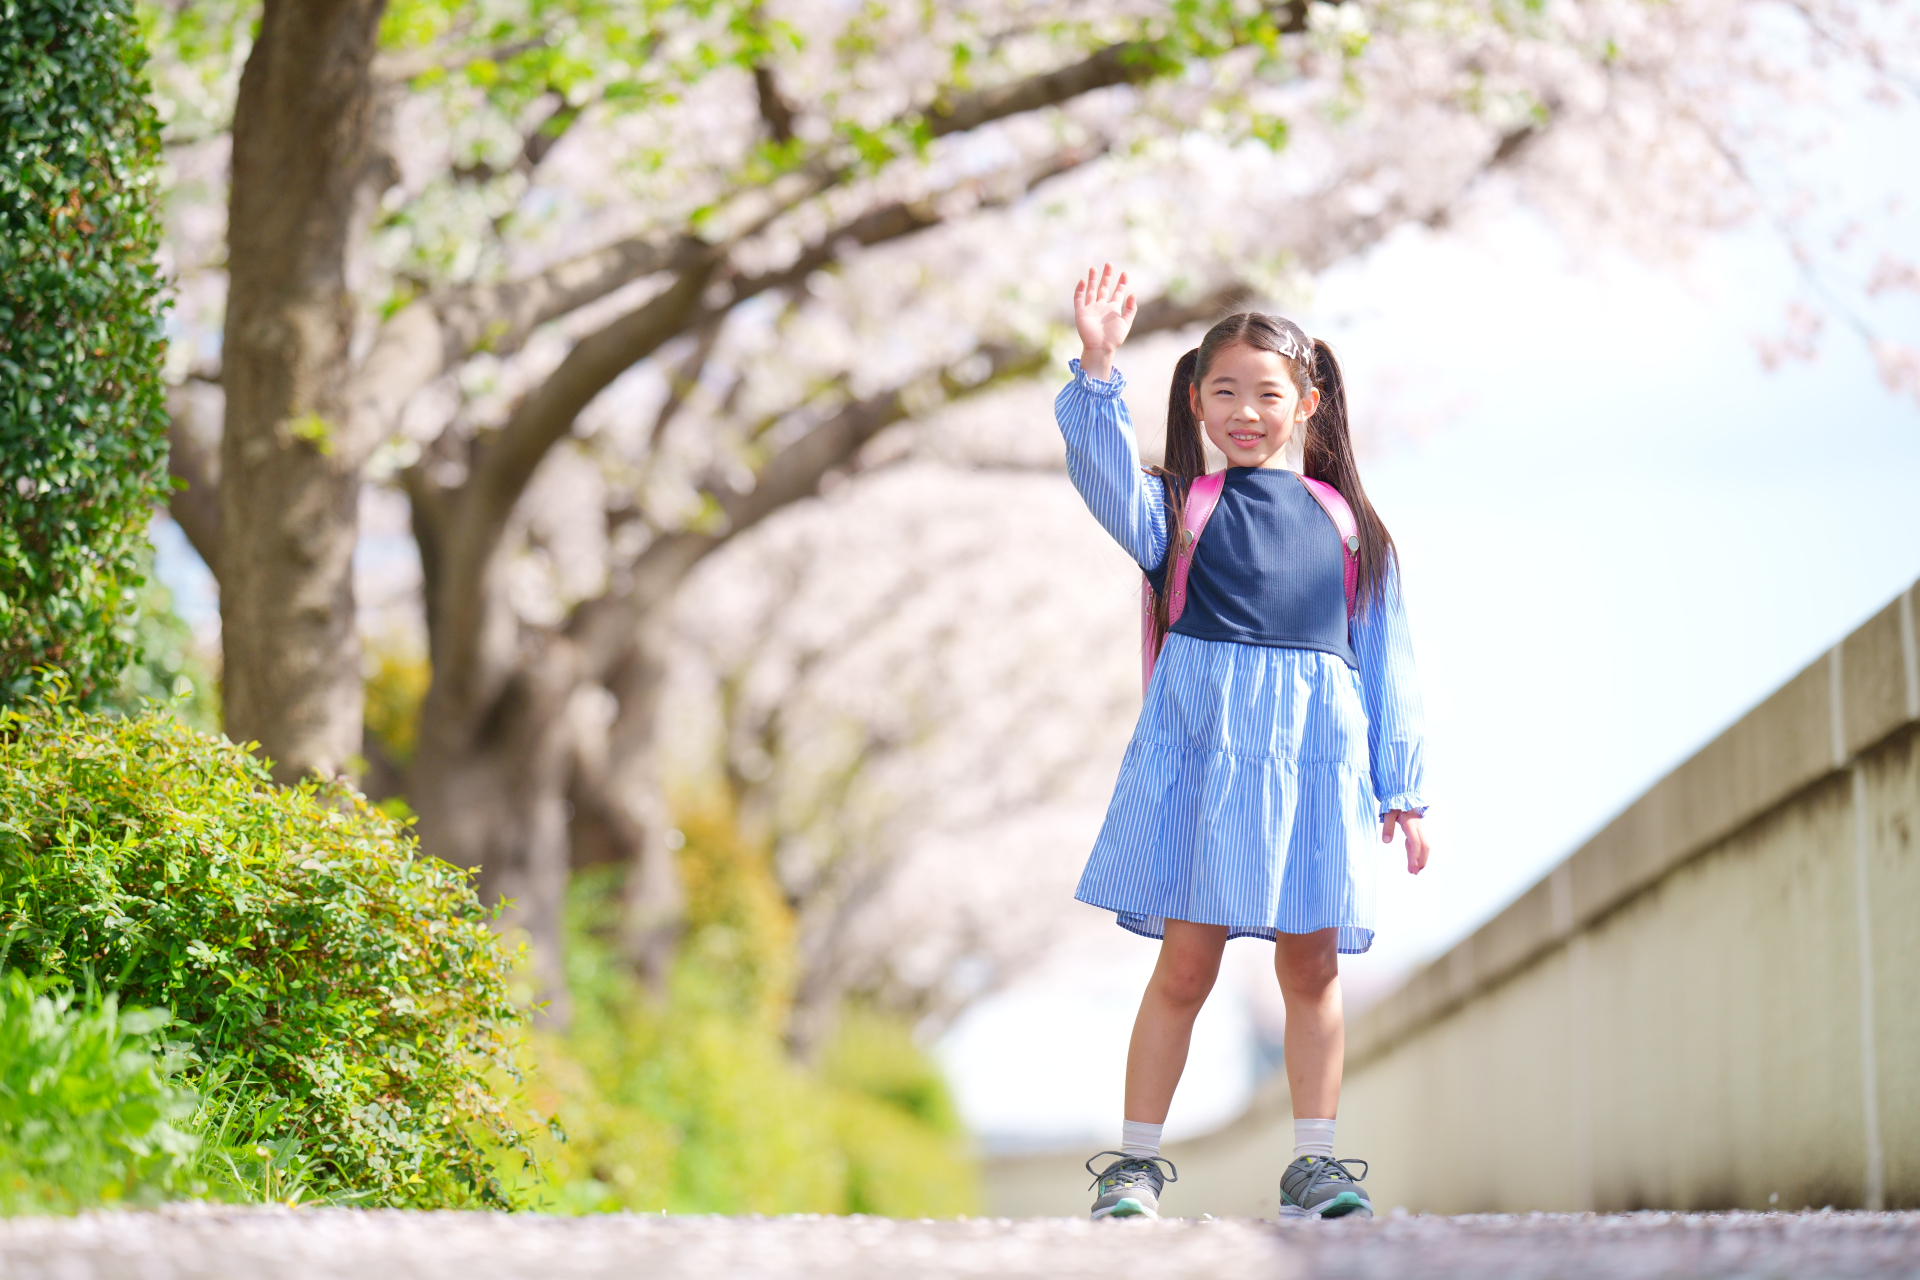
[{"x": 1327, "y": 447}]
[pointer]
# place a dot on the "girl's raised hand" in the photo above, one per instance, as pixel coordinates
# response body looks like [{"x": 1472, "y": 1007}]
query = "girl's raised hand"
[
  {"x": 1103, "y": 311},
  {"x": 1417, "y": 846}
]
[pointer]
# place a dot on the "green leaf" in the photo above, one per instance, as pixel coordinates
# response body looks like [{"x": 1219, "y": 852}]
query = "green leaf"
[{"x": 315, "y": 430}]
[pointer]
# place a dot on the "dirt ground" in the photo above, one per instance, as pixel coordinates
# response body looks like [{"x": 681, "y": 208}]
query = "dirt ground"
[{"x": 208, "y": 1243}]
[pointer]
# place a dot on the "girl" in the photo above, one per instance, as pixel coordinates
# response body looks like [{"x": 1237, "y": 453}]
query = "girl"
[{"x": 1280, "y": 723}]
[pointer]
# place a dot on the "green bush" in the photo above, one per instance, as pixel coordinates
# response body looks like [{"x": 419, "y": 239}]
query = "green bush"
[
  {"x": 89, "y": 1112},
  {"x": 351, "y": 987},
  {"x": 83, "y": 422}
]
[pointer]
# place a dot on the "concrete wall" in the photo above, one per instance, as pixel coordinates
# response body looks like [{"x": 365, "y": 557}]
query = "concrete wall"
[{"x": 1713, "y": 1003}]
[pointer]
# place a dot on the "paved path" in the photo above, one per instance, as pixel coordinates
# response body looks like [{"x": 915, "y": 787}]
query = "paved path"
[{"x": 203, "y": 1243}]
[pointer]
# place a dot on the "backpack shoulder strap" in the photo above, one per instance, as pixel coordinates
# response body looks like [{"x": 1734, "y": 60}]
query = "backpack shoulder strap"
[
  {"x": 1341, "y": 514},
  {"x": 1203, "y": 495}
]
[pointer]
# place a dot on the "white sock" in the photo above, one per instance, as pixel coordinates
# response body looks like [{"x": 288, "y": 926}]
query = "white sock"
[
  {"x": 1313, "y": 1138},
  {"x": 1138, "y": 1138}
]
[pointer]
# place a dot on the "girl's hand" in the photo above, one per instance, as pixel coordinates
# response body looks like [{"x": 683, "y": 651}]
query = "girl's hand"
[
  {"x": 1103, "y": 313},
  {"x": 1417, "y": 846}
]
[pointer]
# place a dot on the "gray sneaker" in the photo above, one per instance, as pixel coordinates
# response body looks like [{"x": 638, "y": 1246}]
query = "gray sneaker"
[
  {"x": 1130, "y": 1186},
  {"x": 1319, "y": 1187}
]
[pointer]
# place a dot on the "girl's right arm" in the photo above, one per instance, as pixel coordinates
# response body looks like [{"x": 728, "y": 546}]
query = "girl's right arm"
[
  {"x": 1104, "y": 465},
  {"x": 1102, "y": 460}
]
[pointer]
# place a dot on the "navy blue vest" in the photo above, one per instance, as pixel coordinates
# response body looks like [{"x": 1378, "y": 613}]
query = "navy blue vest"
[{"x": 1270, "y": 569}]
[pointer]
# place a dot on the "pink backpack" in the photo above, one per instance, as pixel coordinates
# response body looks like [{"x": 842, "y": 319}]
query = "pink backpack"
[{"x": 1201, "y": 500}]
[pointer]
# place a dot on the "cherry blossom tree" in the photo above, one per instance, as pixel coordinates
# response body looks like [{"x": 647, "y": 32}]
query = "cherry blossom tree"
[{"x": 602, "y": 288}]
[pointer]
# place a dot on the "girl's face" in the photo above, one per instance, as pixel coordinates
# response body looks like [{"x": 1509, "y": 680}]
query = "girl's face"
[{"x": 1250, "y": 407}]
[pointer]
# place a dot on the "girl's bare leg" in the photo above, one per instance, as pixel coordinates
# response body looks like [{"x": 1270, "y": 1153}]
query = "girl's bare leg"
[
  {"x": 1308, "y": 965},
  {"x": 1182, "y": 977}
]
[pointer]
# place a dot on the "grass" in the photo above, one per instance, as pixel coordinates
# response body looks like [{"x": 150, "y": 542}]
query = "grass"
[{"x": 91, "y": 1111}]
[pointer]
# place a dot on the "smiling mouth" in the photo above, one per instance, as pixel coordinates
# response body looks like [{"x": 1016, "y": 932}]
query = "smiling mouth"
[{"x": 1245, "y": 438}]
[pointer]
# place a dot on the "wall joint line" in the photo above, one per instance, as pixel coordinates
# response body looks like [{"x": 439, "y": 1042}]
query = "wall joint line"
[
  {"x": 1910, "y": 654},
  {"x": 1876, "y": 1180},
  {"x": 1836, "y": 707}
]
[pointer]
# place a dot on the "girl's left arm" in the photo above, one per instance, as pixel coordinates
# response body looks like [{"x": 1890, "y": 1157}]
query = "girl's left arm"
[{"x": 1396, "y": 722}]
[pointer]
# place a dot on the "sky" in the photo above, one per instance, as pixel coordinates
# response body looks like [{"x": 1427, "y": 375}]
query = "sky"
[{"x": 1619, "y": 532}]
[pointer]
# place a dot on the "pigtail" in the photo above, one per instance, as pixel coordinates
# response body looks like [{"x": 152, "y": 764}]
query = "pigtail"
[
  {"x": 1186, "y": 452},
  {"x": 1329, "y": 458},
  {"x": 1185, "y": 459}
]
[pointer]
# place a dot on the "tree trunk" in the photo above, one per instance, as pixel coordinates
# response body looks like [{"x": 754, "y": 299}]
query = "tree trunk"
[
  {"x": 303, "y": 157},
  {"x": 492, "y": 796},
  {"x": 653, "y": 903}
]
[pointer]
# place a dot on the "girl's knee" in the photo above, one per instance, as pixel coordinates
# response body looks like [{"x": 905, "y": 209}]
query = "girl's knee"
[
  {"x": 1189, "y": 962},
  {"x": 1186, "y": 983},
  {"x": 1311, "y": 982},
  {"x": 1307, "y": 964}
]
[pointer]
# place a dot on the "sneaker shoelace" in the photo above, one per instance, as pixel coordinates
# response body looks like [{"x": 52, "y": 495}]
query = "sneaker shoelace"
[
  {"x": 1132, "y": 1171},
  {"x": 1327, "y": 1169}
]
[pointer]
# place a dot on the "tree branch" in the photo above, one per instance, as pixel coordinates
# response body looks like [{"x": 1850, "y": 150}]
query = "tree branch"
[
  {"x": 775, "y": 110},
  {"x": 904, "y": 218},
  {"x": 534, "y": 144},
  {"x": 434, "y": 333},
  {"x": 1127, "y": 62},
  {"x": 500, "y": 317},
  {"x": 603, "y": 625},
  {"x": 504, "y": 461},
  {"x": 398, "y": 68},
  {"x": 796, "y": 471},
  {"x": 1132, "y": 62},
  {"x": 195, "y": 508},
  {"x": 681, "y": 382},
  {"x": 1157, "y": 315}
]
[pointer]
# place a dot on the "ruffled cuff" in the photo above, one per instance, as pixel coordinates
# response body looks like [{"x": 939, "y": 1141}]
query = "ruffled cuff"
[
  {"x": 1093, "y": 386},
  {"x": 1405, "y": 802},
  {"x": 1399, "y": 769}
]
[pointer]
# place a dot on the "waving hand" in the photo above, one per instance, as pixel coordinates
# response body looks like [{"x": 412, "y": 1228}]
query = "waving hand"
[{"x": 1103, "y": 311}]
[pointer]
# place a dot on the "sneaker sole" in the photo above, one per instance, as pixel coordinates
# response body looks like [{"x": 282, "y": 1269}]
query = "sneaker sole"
[
  {"x": 1344, "y": 1205},
  {"x": 1125, "y": 1209}
]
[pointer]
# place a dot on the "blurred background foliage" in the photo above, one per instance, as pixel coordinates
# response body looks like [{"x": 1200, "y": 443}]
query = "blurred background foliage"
[
  {"x": 689, "y": 1100},
  {"x": 173, "y": 666}
]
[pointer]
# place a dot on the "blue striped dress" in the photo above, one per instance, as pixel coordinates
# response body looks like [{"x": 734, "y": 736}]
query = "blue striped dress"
[{"x": 1252, "y": 792}]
